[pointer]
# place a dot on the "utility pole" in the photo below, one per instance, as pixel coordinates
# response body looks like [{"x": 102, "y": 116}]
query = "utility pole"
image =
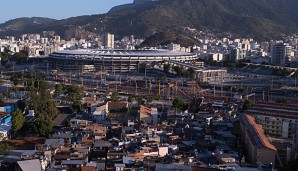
[
  {"x": 146, "y": 76},
  {"x": 47, "y": 69},
  {"x": 70, "y": 77},
  {"x": 221, "y": 87},
  {"x": 136, "y": 87}
]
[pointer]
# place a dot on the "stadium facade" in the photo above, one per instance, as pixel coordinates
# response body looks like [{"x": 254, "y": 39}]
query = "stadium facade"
[{"x": 114, "y": 60}]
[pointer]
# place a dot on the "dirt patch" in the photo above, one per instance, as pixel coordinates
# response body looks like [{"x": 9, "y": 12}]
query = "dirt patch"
[{"x": 27, "y": 143}]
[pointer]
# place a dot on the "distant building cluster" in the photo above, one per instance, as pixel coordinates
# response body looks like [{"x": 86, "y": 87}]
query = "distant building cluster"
[
  {"x": 279, "y": 53},
  {"x": 273, "y": 52},
  {"x": 36, "y": 45}
]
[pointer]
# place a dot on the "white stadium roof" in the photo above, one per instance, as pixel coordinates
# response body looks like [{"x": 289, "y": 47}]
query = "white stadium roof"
[{"x": 116, "y": 52}]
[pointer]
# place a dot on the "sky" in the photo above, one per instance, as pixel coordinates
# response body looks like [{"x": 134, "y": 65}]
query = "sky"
[{"x": 56, "y": 9}]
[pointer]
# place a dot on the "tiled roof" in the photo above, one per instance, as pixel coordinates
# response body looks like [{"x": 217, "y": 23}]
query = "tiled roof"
[
  {"x": 117, "y": 105},
  {"x": 274, "y": 109},
  {"x": 145, "y": 110},
  {"x": 256, "y": 133}
]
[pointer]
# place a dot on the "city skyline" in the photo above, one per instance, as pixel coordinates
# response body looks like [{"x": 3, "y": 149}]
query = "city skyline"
[{"x": 35, "y": 8}]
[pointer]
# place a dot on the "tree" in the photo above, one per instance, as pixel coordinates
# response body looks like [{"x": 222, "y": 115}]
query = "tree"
[
  {"x": 282, "y": 100},
  {"x": 166, "y": 68},
  {"x": 149, "y": 99},
  {"x": 131, "y": 98},
  {"x": 4, "y": 149},
  {"x": 74, "y": 92},
  {"x": 246, "y": 105},
  {"x": 48, "y": 108},
  {"x": 180, "y": 104},
  {"x": 19, "y": 57},
  {"x": 58, "y": 89},
  {"x": 115, "y": 96},
  {"x": 43, "y": 126},
  {"x": 140, "y": 100},
  {"x": 18, "y": 120},
  {"x": 2, "y": 98},
  {"x": 191, "y": 73},
  {"x": 44, "y": 88},
  {"x": 22, "y": 105},
  {"x": 17, "y": 78},
  {"x": 292, "y": 165},
  {"x": 178, "y": 70},
  {"x": 4, "y": 57},
  {"x": 77, "y": 106}
]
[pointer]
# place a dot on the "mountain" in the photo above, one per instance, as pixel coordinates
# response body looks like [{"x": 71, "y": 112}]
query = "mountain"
[
  {"x": 261, "y": 19},
  {"x": 164, "y": 38},
  {"x": 257, "y": 18},
  {"x": 22, "y": 25},
  {"x": 125, "y": 6}
]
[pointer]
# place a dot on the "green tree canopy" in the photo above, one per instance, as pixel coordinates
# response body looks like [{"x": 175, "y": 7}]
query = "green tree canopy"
[
  {"x": 115, "y": 96},
  {"x": 191, "y": 73},
  {"x": 49, "y": 109},
  {"x": 149, "y": 99},
  {"x": 4, "y": 57},
  {"x": 282, "y": 100},
  {"x": 292, "y": 165},
  {"x": 246, "y": 105},
  {"x": 77, "y": 106},
  {"x": 18, "y": 120},
  {"x": 131, "y": 98},
  {"x": 2, "y": 98},
  {"x": 43, "y": 126},
  {"x": 17, "y": 78},
  {"x": 166, "y": 68},
  {"x": 180, "y": 104},
  {"x": 22, "y": 104},
  {"x": 5, "y": 148},
  {"x": 59, "y": 87},
  {"x": 74, "y": 92},
  {"x": 178, "y": 70},
  {"x": 19, "y": 57}
]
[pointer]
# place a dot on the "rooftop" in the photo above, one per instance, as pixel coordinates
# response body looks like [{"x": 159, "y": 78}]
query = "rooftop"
[
  {"x": 117, "y": 52},
  {"x": 274, "y": 109},
  {"x": 256, "y": 132},
  {"x": 29, "y": 165}
]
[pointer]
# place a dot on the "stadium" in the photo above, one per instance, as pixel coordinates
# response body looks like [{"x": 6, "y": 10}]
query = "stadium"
[{"x": 114, "y": 60}]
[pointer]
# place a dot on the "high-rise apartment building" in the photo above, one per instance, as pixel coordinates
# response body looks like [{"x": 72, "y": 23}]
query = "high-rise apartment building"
[
  {"x": 281, "y": 54},
  {"x": 108, "y": 40},
  {"x": 237, "y": 53}
]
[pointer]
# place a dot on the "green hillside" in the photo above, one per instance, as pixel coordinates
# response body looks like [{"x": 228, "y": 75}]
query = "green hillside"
[{"x": 261, "y": 19}]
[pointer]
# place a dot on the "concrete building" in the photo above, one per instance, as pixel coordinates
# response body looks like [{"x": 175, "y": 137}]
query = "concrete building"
[
  {"x": 207, "y": 75},
  {"x": 149, "y": 115},
  {"x": 108, "y": 40},
  {"x": 281, "y": 54},
  {"x": 237, "y": 53},
  {"x": 216, "y": 56},
  {"x": 174, "y": 47},
  {"x": 258, "y": 148},
  {"x": 278, "y": 120},
  {"x": 57, "y": 39}
]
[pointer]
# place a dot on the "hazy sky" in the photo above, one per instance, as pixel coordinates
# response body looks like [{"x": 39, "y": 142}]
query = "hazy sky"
[{"x": 57, "y": 9}]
